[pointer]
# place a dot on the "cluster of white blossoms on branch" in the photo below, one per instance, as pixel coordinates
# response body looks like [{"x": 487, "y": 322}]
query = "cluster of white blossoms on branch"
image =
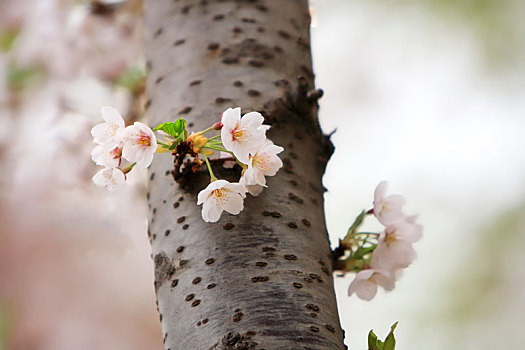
[
  {"x": 135, "y": 143},
  {"x": 242, "y": 138},
  {"x": 379, "y": 258}
]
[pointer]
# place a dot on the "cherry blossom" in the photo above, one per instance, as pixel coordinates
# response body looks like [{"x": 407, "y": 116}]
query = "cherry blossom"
[
  {"x": 140, "y": 144},
  {"x": 219, "y": 196},
  {"x": 110, "y": 132},
  {"x": 111, "y": 178},
  {"x": 388, "y": 209},
  {"x": 242, "y": 135},
  {"x": 254, "y": 190},
  {"x": 365, "y": 283},
  {"x": 264, "y": 162},
  {"x": 107, "y": 156}
]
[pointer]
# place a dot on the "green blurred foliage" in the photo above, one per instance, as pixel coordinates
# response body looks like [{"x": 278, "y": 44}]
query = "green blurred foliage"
[{"x": 5, "y": 323}]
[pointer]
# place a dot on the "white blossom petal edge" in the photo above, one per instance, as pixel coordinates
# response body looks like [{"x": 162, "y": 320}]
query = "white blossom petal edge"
[
  {"x": 140, "y": 144},
  {"x": 242, "y": 136},
  {"x": 107, "y": 156},
  {"x": 388, "y": 209},
  {"x": 111, "y": 178},
  {"x": 219, "y": 196},
  {"x": 365, "y": 283},
  {"x": 109, "y": 132}
]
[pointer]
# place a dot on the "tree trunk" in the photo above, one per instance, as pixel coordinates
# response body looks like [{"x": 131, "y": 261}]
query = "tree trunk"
[{"x": 261, "y": 279}]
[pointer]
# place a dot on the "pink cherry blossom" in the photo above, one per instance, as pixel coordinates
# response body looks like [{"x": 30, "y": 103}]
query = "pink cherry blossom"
[
  {"x": 264, "y": 162},
  {"x": 366, "y": 282},
  {"x": 242, "y": 135},
  {"x": 111, "y": 178},
  {"x": 107, "y": 156},
  {"x": 388, "y": 209},
  {"x": 219, "y": 196},
  {"x": 110, "y": 132},
  {"x": 140, "y": 144}
]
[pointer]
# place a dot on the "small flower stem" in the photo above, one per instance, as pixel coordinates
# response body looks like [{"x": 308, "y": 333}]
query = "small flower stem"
[
  {"x": 206, "y": 130},
  {"x": 214, "y": 137},
  {"x": 213, "y": 178}
]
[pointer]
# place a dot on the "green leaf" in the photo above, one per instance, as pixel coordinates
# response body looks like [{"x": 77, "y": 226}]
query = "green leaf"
[
  {"x": 372, "y": 340},
  {"x": 132, "y": 78},
  {"x": 357, "y": 222},
  {"x": 390, "y": 341},
  {"x": 7, "y": 39},
  {"x": 177, "y": 129}
]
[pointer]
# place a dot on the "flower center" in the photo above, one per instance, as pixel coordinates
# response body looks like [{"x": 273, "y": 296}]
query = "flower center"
[
  {"x": 144, "y": 140},
  {"x": 239, "y": 134},
  {"x": 262, "y": 162}
]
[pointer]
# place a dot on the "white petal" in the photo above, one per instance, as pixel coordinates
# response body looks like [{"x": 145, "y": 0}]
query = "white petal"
[
  {"x": 366, "y": 290},
  {"x": 252, "y": 120},
  {"x": 234, "y": 205},
  {"x": 230, "y": 118},
  {"x": 211, "y": 212},
  {"x": 380, "y": 191},
  {"x": 255, "y": 190},
  {"x": 111, "y": 115}
]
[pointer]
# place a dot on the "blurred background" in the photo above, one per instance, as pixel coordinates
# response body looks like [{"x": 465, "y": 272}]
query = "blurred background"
[{"x": 427, "y": 94}]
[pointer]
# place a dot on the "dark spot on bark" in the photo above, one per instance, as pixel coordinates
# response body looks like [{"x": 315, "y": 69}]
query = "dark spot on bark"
[
  {"x": 174, "y": 283},
  {"x": 190, "y": 125},
  {"x": 213, "y": 46},
  {"x": 209, "y": 261},
  {"x": 316, "y": 308},
  {"x": 185, "y": 10},
  {"x": 290, "y": 257},
  {"x": 148, "y": 196},
  {"x": 314, "y": 329},
  {"x": 149, "y": 65},
  {"x": 306, "y": 222},
  {"x": 297, "y": 285},
  {"x": 266, "y": 213},
  {"x": 176, "y": 205},
  {"x": 183, "y": 262},
  {"x": 164, "y": 201},
  {"x": 199, "y": 323},
  {"x": 293, "y": 182},
  {"x": 154, "y": 211},
  {"x": 228, "y": 226},
  {"x": 292, "y": 225},
  {"x": 261, "y": 264},
  {"x": 313, "y": 314},
  {"x": 196, "y": 280},
  {"x": 189, "y": 297},
  {"x": 185, "y": 110},
  {"x": 236, "y": 29},
  {"x": 195, "y": 82},
  {"x": 276, "y": 214},
  {"x": 160, "y": 317},
  {"x": 211, "y": 285},
  {"x": 195, "y": 303},
  {"x": 277, "y": 49},
  {"x": 181, "y": 199},
  {"x": 321, "y": 262},
  {"x": 163, "y": 266},
  {"x": 269, "y": 255},
  {"x": 218, "y": 17},
  {"x": 171, "y": 271},
  {"x": 159, "y": 79},
  {"x": 260, "y": 279},
  {"x": 220, "y": 100},
  {"x": 268, "y": 249},
  {"x": 261, "y": 29},
  {"x": 148, "y": 104},
  {"x": 185, "y": 226},
  {"x": 237, "y": 317},
  {"x": 238, "y": 83},
  {"x": 330, "y": 328},
  {"x": 255, "y": 63},
  {"x": 283, "y": 34},
  {"x": 325, "y": 270},
  {"x": 167, "y": 233},
  {"x": 293, "y": 155},
  {"x": 261, "y": 8},
  {"x": 181, "y": 219},
  {"x": 180, "y": 249},
  {"x": 294, "y": 198},
  {"x": 303, "y": 43},
  {"x": 253, "y": 93},
  {"x": 158, "y": 32},
  {"x": 154, "y": 236},
  {"x": 179, "y": 42},
  {"x": 205, "y": 321}
]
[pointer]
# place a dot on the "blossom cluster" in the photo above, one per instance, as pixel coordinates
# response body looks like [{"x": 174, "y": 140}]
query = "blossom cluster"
[
  {"x": 135, "y": 143},
  {"x": 383, "y": 261},
  {"x": 242, "y": 138},
  {"x": 245, "y": 138}
]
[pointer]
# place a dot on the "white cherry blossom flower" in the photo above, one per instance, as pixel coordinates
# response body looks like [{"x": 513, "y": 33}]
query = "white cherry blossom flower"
[
  {"x": 388, "y": 209},
  {"x": 140, "y": 144},
  {"x": 394, "y": 249},
  {"x": 263, "y": 162},
  {"x": 107, "y": 156},
  {"x": 242, "y": 135},
  {"x": 110, "y": 132},
  {"x": 111, "y": 178},
  {"x": 219, "y": 196},
  {"x": 365, "y": 283}
]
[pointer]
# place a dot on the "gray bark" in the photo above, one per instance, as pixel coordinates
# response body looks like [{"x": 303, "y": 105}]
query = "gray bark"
[{"x": 262, "y": 279}]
